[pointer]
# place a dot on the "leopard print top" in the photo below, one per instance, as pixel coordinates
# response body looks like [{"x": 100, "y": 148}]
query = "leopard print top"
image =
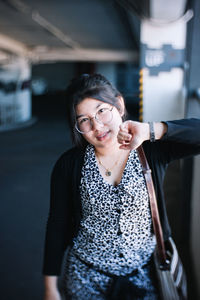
[{"x": 115, "y": 232}]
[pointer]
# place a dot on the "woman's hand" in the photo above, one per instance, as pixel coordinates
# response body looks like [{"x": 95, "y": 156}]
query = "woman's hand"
[
  {"x": 132, "y": 134},
  {"x": 52, "y": 295},
  {"x": 51, "y": 291}
]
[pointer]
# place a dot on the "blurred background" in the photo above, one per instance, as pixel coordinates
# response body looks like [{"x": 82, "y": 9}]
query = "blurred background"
[{"x": 149, "y": 49}]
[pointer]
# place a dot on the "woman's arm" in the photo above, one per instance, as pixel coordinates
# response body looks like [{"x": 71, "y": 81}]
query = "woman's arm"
[
  {"x": 174, "y": 139},
  {"x": 58, "y": 229},
  {"x": 51, "y": 291},
  {"x": 132, "y": 134}
]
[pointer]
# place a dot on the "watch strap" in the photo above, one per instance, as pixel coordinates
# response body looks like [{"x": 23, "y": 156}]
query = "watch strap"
[{"x": 152, "y": 132}]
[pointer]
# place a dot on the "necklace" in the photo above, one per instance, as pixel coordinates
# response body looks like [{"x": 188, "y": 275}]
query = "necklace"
[{"x": 108, "y": 170}]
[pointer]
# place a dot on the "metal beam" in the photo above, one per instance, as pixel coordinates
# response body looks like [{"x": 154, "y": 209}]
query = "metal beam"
[
  {"x": 91, "y": 55},
  {"x": 13, "y": 46}
]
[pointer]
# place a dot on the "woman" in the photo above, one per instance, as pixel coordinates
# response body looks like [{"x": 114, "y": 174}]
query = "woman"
[{"x": 99, "y": 206}]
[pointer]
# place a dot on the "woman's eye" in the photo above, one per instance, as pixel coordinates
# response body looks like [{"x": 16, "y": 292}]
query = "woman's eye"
[
  {"x": 83, "y": 120},
  {"x": 102, "y": 110}
]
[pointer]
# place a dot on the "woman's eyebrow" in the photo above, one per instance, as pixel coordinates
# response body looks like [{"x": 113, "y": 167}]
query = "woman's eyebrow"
[
  {"x": 79, "y": 116},
  {"x": 98, "y": 105}
]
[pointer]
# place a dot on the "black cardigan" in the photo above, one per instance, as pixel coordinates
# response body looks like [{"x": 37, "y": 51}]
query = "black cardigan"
[{"x": 181, "y": 140}]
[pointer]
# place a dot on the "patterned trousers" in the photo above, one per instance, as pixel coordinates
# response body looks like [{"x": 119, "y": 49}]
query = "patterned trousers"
[{"x": 81, "y": 282}]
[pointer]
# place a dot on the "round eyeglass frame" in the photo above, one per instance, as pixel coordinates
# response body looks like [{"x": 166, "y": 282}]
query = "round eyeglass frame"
[{"x": 95, "y": 117}]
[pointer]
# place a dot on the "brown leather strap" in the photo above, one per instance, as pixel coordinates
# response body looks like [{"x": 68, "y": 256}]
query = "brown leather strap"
[{"x": 154, "y": 207}]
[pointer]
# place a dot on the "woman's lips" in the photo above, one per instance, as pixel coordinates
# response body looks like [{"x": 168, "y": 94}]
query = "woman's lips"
[{"x": 102, "y": 136}]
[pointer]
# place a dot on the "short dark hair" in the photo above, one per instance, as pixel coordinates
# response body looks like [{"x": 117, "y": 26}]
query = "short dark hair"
[{"x": 88, "y": 86}]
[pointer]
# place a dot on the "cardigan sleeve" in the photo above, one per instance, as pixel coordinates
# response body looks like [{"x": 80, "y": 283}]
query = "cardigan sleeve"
[
  {"x": 182, "y": 139},
  {"x": 58, "y": 230}
]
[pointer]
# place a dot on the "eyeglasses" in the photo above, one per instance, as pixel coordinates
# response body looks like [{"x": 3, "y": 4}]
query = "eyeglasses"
[{"x": 103, "y": 116}]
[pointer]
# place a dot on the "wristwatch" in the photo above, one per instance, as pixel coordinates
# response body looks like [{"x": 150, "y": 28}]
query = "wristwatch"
[{"x": 152, "y": 132}]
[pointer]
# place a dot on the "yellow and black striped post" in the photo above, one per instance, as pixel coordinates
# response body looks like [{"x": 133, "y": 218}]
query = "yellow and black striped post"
[{"x": 141, "y": 95}]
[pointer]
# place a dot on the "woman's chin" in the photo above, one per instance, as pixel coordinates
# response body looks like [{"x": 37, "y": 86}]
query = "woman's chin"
[{"x": 107, "y": 142}]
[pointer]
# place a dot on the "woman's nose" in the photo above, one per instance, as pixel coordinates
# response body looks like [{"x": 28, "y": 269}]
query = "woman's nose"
[{"x": 96, "y": 124}]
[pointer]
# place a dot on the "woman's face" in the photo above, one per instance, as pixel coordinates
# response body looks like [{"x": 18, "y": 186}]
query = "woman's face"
[{"x": 100, "y": 135}]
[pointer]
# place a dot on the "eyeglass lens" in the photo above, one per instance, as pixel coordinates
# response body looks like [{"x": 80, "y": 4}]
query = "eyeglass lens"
[{"x": 103, "y": 116}]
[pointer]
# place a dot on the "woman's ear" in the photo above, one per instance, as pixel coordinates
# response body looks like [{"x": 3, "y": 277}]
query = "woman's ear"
[{"x": 121, "y": 105}]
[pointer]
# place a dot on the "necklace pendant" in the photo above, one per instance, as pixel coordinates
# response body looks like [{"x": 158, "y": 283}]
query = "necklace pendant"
[{"x": 108, "y": 173}]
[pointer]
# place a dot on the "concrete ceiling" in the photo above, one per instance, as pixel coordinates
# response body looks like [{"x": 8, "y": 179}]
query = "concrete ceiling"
[
  {"x": 88, "y": 30},
  {"x": 79, "y": 30}
]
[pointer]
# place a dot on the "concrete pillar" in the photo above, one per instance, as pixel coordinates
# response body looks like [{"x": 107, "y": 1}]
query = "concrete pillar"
[
  {"x": 15, "y": 100},
  {"x": 162, "y": 61}
]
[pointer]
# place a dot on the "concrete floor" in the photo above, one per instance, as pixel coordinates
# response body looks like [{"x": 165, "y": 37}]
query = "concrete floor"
[{"x": 26, "y": 159}]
